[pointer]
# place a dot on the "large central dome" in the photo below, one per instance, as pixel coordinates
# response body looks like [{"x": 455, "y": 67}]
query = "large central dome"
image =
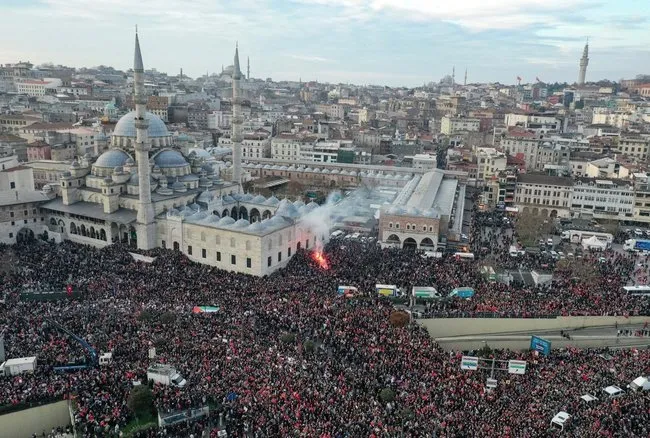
[
  {"x": 124, "y": 133},
  {"x": 126, "y": 126}
]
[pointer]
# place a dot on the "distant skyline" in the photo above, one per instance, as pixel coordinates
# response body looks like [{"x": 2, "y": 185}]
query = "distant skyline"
[{"x": 380, "y": 42}]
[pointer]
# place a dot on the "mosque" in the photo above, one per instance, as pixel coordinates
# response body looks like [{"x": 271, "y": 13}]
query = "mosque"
[{"x": 143, "y": 191}]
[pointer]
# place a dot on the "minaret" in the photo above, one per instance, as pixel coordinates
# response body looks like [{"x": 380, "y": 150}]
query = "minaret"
[
  {"x": 465, "y": 82},
  {"x": 453, "y": 75},
  {"x": 145, "y": 220},
  {"x": 584, "y": 61},
  {"x": 248, "y": 68},
  {"x": 236, "y": 136}
]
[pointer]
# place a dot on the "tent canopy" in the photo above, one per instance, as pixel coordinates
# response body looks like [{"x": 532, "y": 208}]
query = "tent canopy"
[{"x": 594, "y": 243}]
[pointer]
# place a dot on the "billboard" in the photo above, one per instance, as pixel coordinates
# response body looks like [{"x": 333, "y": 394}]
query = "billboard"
[
  {"x": 642, "y": 245},
  {"x": 517, "y": 366},
  {"x": 469, "y": 363},
  {"x": 541, "y": 345}
]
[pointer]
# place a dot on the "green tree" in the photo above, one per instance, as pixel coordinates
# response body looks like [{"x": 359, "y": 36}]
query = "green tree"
[
  {"x": 168, "y": 318},
  {"x": 140, "y": 401},
  {"x": 288, "y": 338},
  {"x": 387, "y": 395},
  {"x": 309, "y": 346}
]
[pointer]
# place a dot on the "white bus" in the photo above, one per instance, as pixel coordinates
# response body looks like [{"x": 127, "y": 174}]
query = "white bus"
[
  {"x": 464, "y": 255},
  {"x": 639, "y": 290}
]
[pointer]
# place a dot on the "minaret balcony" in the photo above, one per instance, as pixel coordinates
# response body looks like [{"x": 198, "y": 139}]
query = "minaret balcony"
[{"x": 141, "y": 124}]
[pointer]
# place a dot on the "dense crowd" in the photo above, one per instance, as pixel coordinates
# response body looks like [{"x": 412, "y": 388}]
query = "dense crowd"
[{"x": 263, "y": 383}]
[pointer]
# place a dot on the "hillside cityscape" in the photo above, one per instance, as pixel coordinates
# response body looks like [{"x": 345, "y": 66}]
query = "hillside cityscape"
[{"x": 233, "y": 256}]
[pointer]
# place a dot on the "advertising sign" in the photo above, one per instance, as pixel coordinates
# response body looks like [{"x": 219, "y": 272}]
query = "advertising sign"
[
  {"x": 517, "y": 366},
  {"x": 469, "y": 363},
  {"x": 541, "y": 345}
]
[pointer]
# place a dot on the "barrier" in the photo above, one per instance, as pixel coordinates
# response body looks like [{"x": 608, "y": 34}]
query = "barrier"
[{"x": 25, "y": 422}]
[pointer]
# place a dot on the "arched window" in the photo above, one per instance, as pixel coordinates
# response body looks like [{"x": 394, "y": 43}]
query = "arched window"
[
  {"x": 397, "y": 225},
  {"x": 248, "y": 245},
  {"x": 390, "y": 225},
  {"x": 232, "y": 242}
]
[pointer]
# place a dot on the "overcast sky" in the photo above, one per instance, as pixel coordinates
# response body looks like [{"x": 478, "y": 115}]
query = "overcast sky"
[{"x": 386, "y": 42}]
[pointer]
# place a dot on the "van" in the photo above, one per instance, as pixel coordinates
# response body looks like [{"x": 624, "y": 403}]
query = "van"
[
  {"x": 639, "y": 384},
  {"x": 336, "y": 234},
  {"x": 613, "y": 391},
  {"x": 560, "y": 420},
  {"x": 105, "y": 359}
]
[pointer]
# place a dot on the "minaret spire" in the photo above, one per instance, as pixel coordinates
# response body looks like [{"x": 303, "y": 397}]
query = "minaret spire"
[
  {"x": 465, "y": 82},
  {"x": 236, "y": 136},
  {"x": 145, "y": 219},
  {"x": 584, "y": 62},
  {"x": 248, "y": 68},
  {"x": 453, "y": 75}
]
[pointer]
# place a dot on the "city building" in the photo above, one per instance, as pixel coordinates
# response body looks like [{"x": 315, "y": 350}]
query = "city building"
[
  {"x": 37, "y": 88},
  {"x": 603, "y": 199},
  {"x": 543, "y": 195},
  {"x": 426, "y": 213},
  {"x": 453, "y": 125}
]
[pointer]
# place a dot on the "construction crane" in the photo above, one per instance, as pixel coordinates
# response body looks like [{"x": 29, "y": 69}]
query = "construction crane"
[{"x": 94, "y": 358}]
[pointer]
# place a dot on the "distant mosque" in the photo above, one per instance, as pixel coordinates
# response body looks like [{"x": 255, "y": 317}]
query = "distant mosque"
[{"x": 144, "y": 192}]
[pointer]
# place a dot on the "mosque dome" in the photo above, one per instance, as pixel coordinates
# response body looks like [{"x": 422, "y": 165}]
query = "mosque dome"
[
  {"x": 241, "y": 223},
  {"x": 272, "y": 201},
  {"x": 134, "y": 180},
  {"x": 259, "y": 199},
  {"x": 125, "y": 127},
  {"x": 287, "y": 209},
  {"x": 112, "y": 158},
  {"x": 169, "y": 159},
  {"x": 226, "y": 221},
  {"x": 256, "y": 227}
]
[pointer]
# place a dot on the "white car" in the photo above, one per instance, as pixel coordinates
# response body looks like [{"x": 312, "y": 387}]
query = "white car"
[{"x": 549, "y": 241}]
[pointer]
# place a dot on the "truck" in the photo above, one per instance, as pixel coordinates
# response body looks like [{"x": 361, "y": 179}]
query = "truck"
[
  {"x": 13, "y": 367},
  {"x": 577, "y": 236},
  {"x": 347, "y": 291},
  {"x": 637, "y": 245},
  {"x": 462, "y": 292},
  {"x": 425, "y": 292},
  {"x": 165, "y": 375},
  {"x": 387, "y": 290}
]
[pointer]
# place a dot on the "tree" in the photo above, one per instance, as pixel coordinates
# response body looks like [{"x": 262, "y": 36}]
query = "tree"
[
  {"x": 140, "y": 400},
  {"x": 288, "y": 338},
  {"x": 168, "y": 318},
  {"x": 530, "y": 228},
  {"x": 399, "y": 318},
  {"x": 145, "y": 315},
  {"x": 309, "y": 346},
  {"x": 387, "y": 395},
  {"x": 582, "y": 270}
]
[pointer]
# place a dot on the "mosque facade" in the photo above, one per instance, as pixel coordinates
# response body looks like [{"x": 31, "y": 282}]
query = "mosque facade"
[{"x": 145, "y": 192}]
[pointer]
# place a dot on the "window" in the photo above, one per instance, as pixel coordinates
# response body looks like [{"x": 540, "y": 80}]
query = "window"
[
  {"x": 288, "y": 252},
  {"x": 297, "y": 246},
  {"x": 189, "y": 250},
  {"x": 12, "y": 185},
  {"x": 11, "y": 235},
  {"x": 13, "y": 223},
  {"x": 218, "y": 256},
  {"x": 248, "y": 245},
  {"x": 279, "y": 256},
  {"x": 397, "y": 225},
  {"x": 34, "y": 211},
  {"x": 11, "y": 214},
  {"x": 217, "y": 240},
  {"x": 232, "y": 242},
  {"x": 390, "y": 225},
  {"x": 204, "y": 253},
  {"x": 269, "y": 261},
  {"x": 163, "y": 244},
  {"x": 233, "y": 259},
  {"x": 306, "y": 244},
  {"x": 249, "y": 262}
]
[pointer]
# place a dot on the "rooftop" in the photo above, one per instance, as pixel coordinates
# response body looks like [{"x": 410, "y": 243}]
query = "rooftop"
[{"x": 543, "y": 179}]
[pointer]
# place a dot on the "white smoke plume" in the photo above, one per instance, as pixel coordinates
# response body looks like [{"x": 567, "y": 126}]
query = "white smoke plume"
[{"x": 321, "y": 220}]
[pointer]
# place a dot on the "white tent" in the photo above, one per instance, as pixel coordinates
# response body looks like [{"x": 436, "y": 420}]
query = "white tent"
[{"x": 594, "y": 243}]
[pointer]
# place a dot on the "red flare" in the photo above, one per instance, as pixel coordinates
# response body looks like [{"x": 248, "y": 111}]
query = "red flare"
[{"x": 320, "y": 259}]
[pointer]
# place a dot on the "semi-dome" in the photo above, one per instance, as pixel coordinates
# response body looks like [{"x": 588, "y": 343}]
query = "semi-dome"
[
  {"x": 272, "y": 201},
  {"x": 241, "y": 223},
  {"x": 226, "y": 221},
  {"x": 134, "y": 180},
  {"x": 112, "y": 158},
  {"x": 169, "y": 159},
  {"x": 125, "y": 127},
  {"x": 257, "y": 227},
  {"x": 259, "y": 199}
]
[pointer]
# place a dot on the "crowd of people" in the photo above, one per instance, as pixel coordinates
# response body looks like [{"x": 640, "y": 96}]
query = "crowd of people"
[{"x": 285, "y": 356}]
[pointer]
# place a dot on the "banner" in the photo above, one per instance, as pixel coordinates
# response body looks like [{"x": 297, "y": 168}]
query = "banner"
[{"x": 541, "y": 345}]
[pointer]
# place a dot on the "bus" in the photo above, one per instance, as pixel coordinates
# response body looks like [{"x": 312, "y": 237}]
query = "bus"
[
  {"x": 464, "y": 255},
  {"x": 638, "y": 290}
]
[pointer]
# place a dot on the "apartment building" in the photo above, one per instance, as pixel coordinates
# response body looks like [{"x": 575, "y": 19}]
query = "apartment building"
[
  {"x": 454, "y": 125},
  {"x": 544, "y": 195},
  {"x": 289, "y": 146},
  {"x": 603, "y": 199},
  {"x": 634, "y": 146}
]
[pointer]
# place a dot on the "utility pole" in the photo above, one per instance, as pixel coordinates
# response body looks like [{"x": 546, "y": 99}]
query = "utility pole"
[{"x": 474, "y": 363}]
